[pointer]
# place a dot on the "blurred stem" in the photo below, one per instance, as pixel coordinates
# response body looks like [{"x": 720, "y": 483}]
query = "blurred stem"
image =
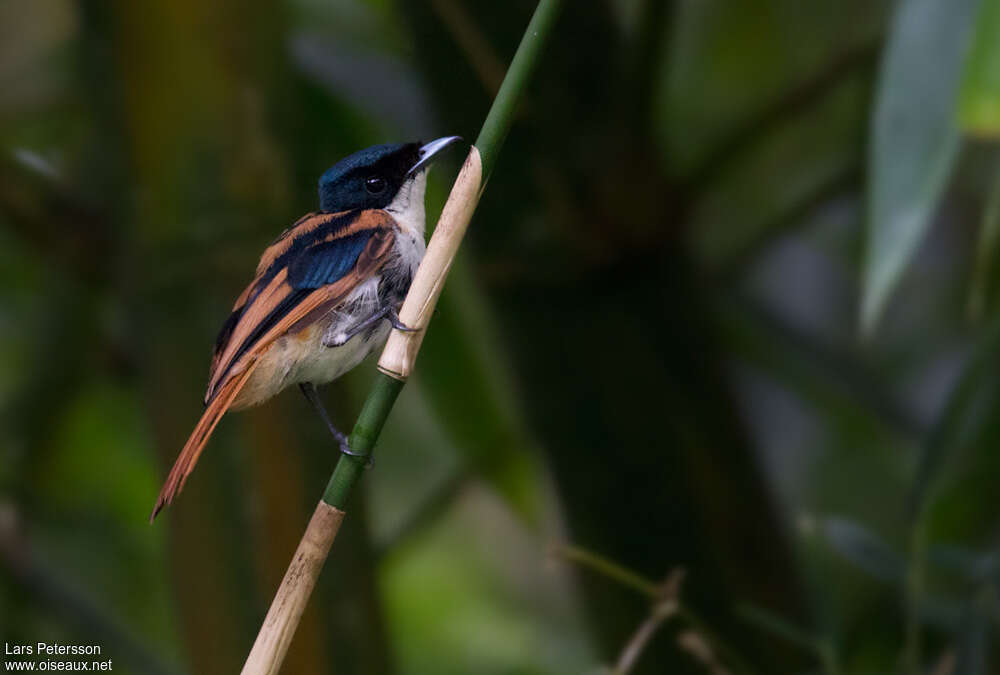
[
  {"x": 660, "y": 613},
  {"x": 986, "y": 251},
  {"x": 821, "y": 647},
  {"x": 951, "y": 428},
  {"x": 471, "y": 40},
  {"x": 654, "y": 29},
  {"x": 827, "y": 656},
  {"x": 668, "y": 591},
  {"x": 728, "y": 653},
  {"x": 861, "y": 57},
  {"x": 843, "y": 181},
  {"x": 914, "y": 592},
  {"x": 831, "y": 379},
  {"x": 608, "y": 568}
]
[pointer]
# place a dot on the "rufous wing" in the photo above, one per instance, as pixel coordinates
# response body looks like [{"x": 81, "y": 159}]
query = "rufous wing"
[{"x": 303, "y": 282}]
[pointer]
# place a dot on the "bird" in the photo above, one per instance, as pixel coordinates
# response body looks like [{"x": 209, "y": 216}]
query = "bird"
[{"x": 324, "y": 293}]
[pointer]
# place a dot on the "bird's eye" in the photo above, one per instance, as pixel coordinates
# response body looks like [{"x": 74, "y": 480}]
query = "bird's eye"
[{"x": 375, "y": 184}]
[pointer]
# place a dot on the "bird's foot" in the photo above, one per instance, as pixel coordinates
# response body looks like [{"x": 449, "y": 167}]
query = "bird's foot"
[
  {"x": 345, "y": 448},
  {"x": 388, "y": 313},
  {"x": 309, "y": 390},
  {"x": 396, "y": 323}
]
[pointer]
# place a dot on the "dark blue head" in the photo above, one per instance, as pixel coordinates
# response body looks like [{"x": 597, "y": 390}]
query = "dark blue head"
[{"x": 370, "y": 178}]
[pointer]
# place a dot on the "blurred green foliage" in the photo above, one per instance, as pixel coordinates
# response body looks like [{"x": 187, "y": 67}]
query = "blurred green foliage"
[{"x": 650, "y": 345}]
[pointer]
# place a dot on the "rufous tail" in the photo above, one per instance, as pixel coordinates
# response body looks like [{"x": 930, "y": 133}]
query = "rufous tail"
[{"x": 185, "y": 462}]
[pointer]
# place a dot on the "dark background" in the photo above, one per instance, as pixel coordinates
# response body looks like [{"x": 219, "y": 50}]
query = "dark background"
[{"x": 649, "y": 347}]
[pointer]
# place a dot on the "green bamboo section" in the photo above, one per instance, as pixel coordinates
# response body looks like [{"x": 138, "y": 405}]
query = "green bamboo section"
[
  {"x": 366, "y": 431},
  {"x": 386, "y": 389},
  {"x": 501, "y": 115}
]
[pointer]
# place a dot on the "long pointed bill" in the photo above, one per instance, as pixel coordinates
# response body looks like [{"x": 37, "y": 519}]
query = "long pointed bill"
[{"x": 430, "y": 150}]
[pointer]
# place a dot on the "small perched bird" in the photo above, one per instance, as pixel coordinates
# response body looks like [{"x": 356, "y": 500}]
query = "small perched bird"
[{"x": 336, "y": 274}]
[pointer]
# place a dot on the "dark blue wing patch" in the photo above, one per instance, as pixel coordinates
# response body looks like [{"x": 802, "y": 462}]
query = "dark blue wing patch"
[
  {"x": 318, "y": 265},
  {"x": 326, "y": 262},
  {"x": 319, "y": 250}
]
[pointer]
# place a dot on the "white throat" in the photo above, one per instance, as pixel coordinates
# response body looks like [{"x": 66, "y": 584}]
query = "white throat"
[{"x": 408, "y": 206}]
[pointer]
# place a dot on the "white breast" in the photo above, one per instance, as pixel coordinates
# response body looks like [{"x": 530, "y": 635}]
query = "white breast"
[
  {"x": 407, "y": 209},
  {"x": 303, "y": 357}
]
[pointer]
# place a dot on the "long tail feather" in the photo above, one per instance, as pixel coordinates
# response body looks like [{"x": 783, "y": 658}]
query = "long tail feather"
[{"x": 185, "y": 462}]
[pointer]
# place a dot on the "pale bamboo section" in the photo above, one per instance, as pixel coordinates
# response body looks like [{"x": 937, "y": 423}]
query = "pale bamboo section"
[
  {"x": 401, "y": 349},
  {"x": 290, "y": 601}
]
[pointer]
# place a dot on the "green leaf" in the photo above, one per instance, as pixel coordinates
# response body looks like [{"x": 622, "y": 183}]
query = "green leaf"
[
  {"x": 986, "y": 248},
  {"x": 970, "y": 407},
  {"x": 973, "y": 566},
  {"x": 979, "y": 102},
  {"x": 914, "y": 139},
  {"x": 864, "y": 549}
]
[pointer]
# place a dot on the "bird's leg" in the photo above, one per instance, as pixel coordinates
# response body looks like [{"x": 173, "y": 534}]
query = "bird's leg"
[
  {"x": 387, "y": 312},
  {"x": 393, "y": 317},
  {"x": 309, "y": 391}
]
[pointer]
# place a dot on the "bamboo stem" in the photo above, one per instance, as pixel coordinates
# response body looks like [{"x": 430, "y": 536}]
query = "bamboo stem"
[
  {"x": 282, "y": 619},
  {"x": 401, "y": 349},
  {"x": 665, "y": 608},
  {"x": 400, "y": 353}
]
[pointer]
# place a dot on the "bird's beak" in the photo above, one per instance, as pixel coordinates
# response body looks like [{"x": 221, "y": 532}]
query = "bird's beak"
[{"x": 430, "y": 150}]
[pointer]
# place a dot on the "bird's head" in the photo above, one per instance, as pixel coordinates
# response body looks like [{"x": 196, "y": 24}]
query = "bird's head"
[{"x": 376, "y": 177}]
